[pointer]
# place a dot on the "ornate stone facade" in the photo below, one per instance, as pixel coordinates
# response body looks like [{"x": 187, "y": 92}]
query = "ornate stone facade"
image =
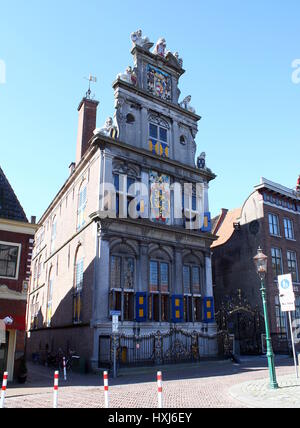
[{"x": 150, "y": 268}]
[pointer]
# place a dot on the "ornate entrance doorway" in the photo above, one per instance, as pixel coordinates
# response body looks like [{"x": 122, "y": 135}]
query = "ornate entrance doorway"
[{"x": 237, "y": 318}]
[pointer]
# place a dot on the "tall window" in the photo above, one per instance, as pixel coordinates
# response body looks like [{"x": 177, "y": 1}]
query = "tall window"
[
  {"x": 122, "y": 281},
  {"x": 123, "y": 185},
  {"x": 292, "y": 265},
  {"x": 158, "y": 140},
  {"x": 159, "y": 296},
  {"x": 192, "y": 293},
  {"x": 276, "y": 262},
  {"x": 274, "y": 225},
  {"x": 289, "y": 228},
  {"x": 53, "y": 234},
  {"x": 49, "y": 298},
  {"x": 78, "y": 286},
  {"x": 9, "y": 260},
  {"x": 82, "y": 200},
  {"x": 281, "y": 321}
]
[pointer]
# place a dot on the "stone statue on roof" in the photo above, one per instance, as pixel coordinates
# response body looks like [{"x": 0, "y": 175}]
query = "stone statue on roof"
[
  {"x": 129, "y": 76},
  {"x": 107, "y": 129},
  {"x": 201, "y": 161},
  {"x": 160, "y": 47},
  {"x": 179, "y": 60},
  {"x": 138, "y": 40},
  {"x": 186, "y": 104}
]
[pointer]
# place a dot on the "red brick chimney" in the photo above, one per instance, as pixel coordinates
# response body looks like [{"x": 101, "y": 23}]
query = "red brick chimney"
[{"x": 86, "y": 125}]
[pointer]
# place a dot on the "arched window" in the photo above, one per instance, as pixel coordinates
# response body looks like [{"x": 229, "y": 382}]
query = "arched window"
[
  {"x": 159, "y": 287},
  {"x": 82, "y": 200},
  {"x": 49, "y": 297},
  {"x": 122, "y": 281},
  {"x": 193, "y": 278},
  {"x": 78, "y": 285},
  {"x": 53, "y": 234}
]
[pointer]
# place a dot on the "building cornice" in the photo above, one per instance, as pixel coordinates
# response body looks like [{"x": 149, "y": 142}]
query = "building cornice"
[
  {"x": 102, "y": 141},
  {"x": 18, "y": 226},
  {"x": 144, "y": 94},
  {"x": 8, "y": 294}
]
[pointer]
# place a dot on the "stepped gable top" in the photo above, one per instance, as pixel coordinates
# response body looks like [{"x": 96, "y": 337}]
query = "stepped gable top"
[{"x": 10, "y": 207}]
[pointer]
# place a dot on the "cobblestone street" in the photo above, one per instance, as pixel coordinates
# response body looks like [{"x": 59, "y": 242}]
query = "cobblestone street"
[{"x": 204, "y": 385}]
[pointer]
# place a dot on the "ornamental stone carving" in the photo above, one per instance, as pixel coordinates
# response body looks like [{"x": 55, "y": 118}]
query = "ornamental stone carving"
[
  {"x": 160, "y": 47},
  {"x": 138, "y": 40},
  {"x": 129, "y": 76},
  {"x": 186, "y": 104},
  {"x": 107, "y": 129}
]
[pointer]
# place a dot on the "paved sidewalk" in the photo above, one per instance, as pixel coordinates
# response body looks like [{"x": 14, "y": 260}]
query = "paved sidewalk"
[
  {"x": 206, "y": 384},
  {"x": 258, "y": 394}
]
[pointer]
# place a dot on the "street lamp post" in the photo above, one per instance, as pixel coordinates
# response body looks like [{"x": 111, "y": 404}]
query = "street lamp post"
[{"x": 261, "y": 266}]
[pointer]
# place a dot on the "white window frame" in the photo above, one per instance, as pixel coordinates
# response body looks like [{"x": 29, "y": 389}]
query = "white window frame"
[
  {"x": 288, "y": 222},
  {"x": 13, "y": 244}
]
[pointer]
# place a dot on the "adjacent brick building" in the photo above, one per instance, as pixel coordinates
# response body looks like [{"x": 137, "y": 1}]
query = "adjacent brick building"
[
  {"x": 270, "y": 218},
  {"x": 150, "y": 269},
  {"x": 16, "y": 244}
]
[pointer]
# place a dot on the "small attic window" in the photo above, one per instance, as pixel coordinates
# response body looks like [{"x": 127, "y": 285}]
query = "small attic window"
[
  {"x": 130, "y": 118},
  {"x": 182, "y": 139}
]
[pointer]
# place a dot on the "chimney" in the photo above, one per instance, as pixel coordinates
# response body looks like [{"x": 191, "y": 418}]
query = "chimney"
[
  {"x": 86, "y": 125},
  {"x": 33, "y": 219}
]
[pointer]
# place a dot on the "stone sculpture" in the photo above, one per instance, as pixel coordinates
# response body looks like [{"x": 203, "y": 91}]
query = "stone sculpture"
[
  {"x": 129, "y": 76},
  {"x": 201, "y": 161},
  {"x": 186, "y": 104},
  {"x": 138, "y": 40},
  {"x": 160, "y": 47},
  {"x": 107, "y": 129}
]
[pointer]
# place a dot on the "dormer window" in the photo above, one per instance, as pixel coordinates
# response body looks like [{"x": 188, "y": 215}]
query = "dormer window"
[{"x": 158, "y": 140}]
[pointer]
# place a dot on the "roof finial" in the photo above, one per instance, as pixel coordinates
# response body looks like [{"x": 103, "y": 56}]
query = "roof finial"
[{"x": 90, "y": 79}]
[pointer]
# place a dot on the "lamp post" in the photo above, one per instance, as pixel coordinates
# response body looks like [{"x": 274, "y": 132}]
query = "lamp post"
[{"x": 261, "y": 262}]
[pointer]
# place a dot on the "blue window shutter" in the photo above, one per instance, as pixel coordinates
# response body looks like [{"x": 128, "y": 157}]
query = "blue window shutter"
[
  {"x": 141, "y": 307},
  {"x": 208, "y": 310},
  {"x": 177, "y": 309},
  {"x": 207, "y": 223}
]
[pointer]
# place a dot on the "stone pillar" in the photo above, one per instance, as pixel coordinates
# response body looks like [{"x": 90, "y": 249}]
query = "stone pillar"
[
  {"x": 145, "y": 181},
  {"x": 101, "y": 291},
  {"x": 208, "y": 275},
  {"x": 178, "y": 266},
  {"x": 206, "y": 200},
  {"x": 144, "y": 129}
]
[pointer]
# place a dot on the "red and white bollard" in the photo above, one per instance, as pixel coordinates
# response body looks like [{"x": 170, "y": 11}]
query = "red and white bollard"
[
  {"x": 105, "y": 378},
  {"x": 55, "y": 391},
  {"x": 3, "y": 390},
  {"x": 159, "y": 389},
  {"x": 65, "y": 368}
]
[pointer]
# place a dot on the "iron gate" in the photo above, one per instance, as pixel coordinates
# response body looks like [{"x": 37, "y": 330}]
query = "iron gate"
[{"x": 174, "y": 346}]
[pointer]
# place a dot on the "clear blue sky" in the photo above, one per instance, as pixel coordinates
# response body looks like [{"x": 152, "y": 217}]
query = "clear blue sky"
[{"x": 237, "y": 55}]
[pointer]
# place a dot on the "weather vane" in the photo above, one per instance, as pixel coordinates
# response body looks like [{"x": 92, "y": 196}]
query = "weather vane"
[{"x": 90, "y": 79}]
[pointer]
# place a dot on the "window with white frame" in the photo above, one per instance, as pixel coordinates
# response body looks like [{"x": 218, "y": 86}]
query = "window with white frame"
[
  {"x": 274, "y": 225},
  {"x": 281, "y": 321},
  {"x": 192, "y": 293},
  {"x": 289, "y": 228},
  {"x": 9, "y": 260},
  {"x": 292, "y": 265},
  {"x": 122, "y": 282},
  {"x": 53, "y": 234},
  {"x": 276, "y": 262},
  {"x": 78, "y": 286},
  {"x": 158, "y": 139},
  {"x": 82, "y": 201},
  {"x": 49, "y": 299},
  {"x": 159, "y": 296}
]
